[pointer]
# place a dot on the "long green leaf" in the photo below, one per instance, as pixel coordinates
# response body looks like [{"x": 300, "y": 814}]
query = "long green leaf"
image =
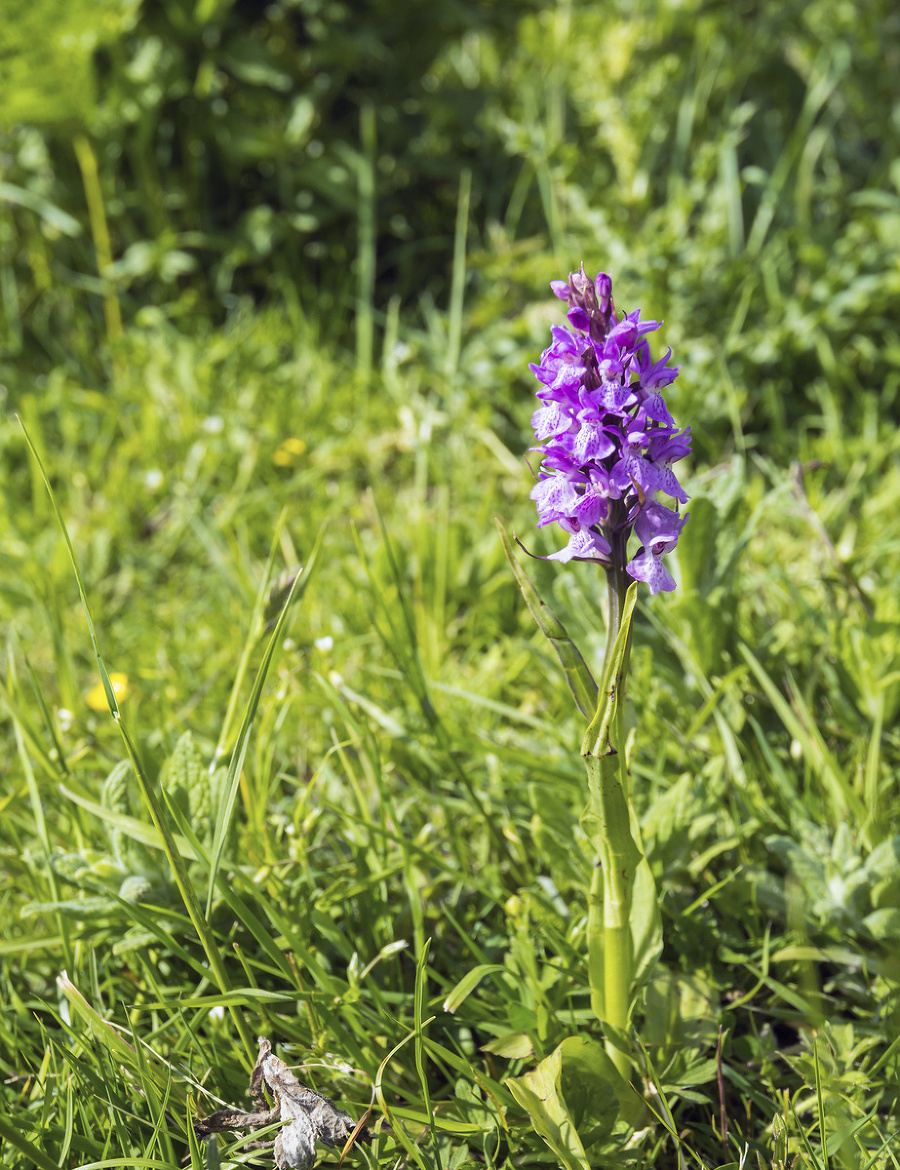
[
  {"x": 578, "y": 676},
  {"x": 464, "y": 988}
]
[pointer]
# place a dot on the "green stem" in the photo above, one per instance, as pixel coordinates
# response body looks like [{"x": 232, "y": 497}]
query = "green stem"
[
  {"x": 610, "y": 953},
  {"x": 610, "y": 946},
  {"x": 366, "y": 247},
  {"x": 617, "y": 582},
  {"x": 87, "y": 162}
]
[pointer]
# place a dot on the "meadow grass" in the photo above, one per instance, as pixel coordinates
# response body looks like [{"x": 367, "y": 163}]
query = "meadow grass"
[
  {"x": 405, "y": 826},
  {"x": 357, "y": 832}
]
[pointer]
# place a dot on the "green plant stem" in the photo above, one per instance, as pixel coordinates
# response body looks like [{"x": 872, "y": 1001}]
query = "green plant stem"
[
  {"x": 616, "y": 587},
  {"x": 610, "y": 957},
  {"x": 90, "y": 178},
  {"x": 458, "y": 284},
  {"x": 610, "y": 947},
  {"x": 366, "y": 249}
]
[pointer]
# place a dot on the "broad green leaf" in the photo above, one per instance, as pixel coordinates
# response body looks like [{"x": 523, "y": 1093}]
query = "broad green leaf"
[
  {"x": 883, "y": 924},
  {"x": 186, "y": 783},
  {"x": 646, "y": 924},
  {"x": 577, "y": 1085},
  {"x": 539, "y": 1093},
  {"x": 587, "y": 1063}
]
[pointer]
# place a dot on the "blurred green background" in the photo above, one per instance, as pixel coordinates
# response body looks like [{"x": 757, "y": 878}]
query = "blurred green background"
[{"x": 727, "y": 162}]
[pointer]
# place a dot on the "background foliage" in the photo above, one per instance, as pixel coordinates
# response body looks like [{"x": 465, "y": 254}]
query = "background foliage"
[{"x": 292, "y": 259}]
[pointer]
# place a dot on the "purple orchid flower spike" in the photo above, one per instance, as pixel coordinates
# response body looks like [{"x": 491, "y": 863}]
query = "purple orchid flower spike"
[{"x": 608, "y": 438}]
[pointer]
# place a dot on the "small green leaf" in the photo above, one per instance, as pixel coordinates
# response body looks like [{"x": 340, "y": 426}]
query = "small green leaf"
[
  {"x": 511, "y": 1046},
  {"x": 187, "y": 783},
  {"x": 58, "y": 219},
  {"x": 468, "y": 983},
  {"x": 884, "y": 925},
  {"x": 253, "y": 63}
]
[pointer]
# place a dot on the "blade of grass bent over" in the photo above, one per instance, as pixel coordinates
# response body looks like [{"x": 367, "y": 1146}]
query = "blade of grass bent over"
[
  {"x": 414, "y": 1154},
  {"x": 179, "y": 871},
  {"x": 419, "y": 1010}
]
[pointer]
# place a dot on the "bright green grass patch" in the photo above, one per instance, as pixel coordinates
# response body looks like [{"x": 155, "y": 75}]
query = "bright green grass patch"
[{"x": 406, "y": 821}]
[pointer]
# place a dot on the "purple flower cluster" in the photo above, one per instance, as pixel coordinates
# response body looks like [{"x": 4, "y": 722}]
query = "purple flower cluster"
[{"x": 610, "y": 440}]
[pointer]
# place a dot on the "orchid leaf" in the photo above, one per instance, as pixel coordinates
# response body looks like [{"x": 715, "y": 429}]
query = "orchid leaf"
[
  {"x": 574, "y": 1091},
  {"x": 539, "y": 1093},
  {"x": 578, "y": 676}
]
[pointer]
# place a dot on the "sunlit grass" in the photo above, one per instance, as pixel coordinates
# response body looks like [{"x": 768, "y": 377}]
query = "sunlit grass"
[
  {"x": 399, "y": 900},
  {"x": 407, "y": 812}
]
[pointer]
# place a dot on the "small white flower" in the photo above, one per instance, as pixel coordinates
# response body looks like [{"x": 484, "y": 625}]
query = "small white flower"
[
  {"x": 324, "y": 645},
  {"x": 153, "y": 479},
  {"x": 213, "y": 424}
]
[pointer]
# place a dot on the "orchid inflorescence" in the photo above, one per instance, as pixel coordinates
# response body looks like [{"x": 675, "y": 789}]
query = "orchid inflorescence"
[{"x": 610, "y": 441}]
